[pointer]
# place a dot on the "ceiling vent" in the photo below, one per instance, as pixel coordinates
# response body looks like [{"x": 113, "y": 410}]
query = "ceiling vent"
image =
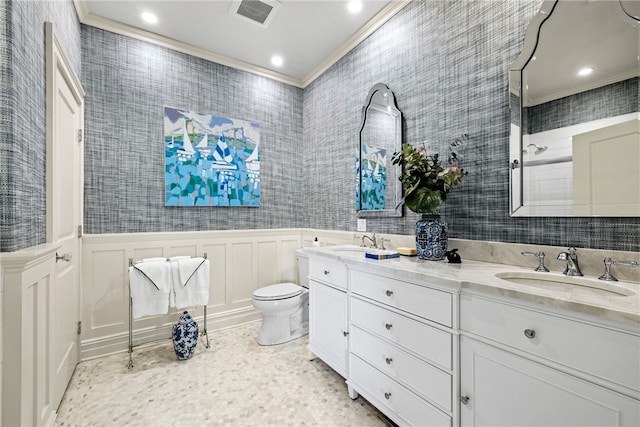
[{"x": 260, "y": 12}]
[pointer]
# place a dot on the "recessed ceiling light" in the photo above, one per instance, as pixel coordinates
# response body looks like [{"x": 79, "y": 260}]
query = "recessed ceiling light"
[
  {"x": 354, "y": 6},
  {"x": 586, "y": 71},
  {"x": 276, "y": 60},
  {"x": 149, "y": 17}
]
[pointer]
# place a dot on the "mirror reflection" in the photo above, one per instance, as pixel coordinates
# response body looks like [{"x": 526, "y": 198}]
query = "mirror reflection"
[
  {"x": 378, "y": 191},
  {"x": 575, "y": 144}
]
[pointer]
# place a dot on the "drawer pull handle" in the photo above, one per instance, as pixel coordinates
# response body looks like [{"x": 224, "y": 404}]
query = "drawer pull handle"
[
  {"x": 388, "y": 326},
  {"x": 326, "y": 272},
  {"x": 530, "y": 333},
  {"x": 389, "y": 293},
  {"x": 388, "y": 360},
  {"x": 464, "y": 400},
  {"x": 387, "y": 395}
]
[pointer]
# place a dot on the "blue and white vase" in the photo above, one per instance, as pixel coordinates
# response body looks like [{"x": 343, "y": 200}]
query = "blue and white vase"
[
  {"x": 185, "y": 336},
  {"x": 431, "y": 237}
]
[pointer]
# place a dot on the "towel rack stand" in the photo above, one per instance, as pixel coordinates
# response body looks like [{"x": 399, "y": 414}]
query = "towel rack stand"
[{"x": 202, "y": 334}]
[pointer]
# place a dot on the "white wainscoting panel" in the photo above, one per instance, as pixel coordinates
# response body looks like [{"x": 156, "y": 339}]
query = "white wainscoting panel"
[
  {"x": 28, "y": 293},
  {"x": 241, "y": 261}
]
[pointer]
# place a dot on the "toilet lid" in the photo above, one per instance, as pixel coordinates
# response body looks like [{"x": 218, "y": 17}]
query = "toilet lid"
[{"x": 279, "y": 291}]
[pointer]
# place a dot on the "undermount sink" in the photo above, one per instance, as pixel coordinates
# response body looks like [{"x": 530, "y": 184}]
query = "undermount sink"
[{"x": 565, "y": 283}]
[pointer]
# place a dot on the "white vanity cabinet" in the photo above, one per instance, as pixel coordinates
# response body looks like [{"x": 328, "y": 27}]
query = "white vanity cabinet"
[
  {"x": 402, "y": 348},
  {"x": 328, "y": 312},
  {"x": 523, "y": 366}
]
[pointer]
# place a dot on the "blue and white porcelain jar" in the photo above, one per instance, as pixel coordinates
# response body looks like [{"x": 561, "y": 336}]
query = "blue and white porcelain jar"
[
  {"x": 432, "y": 238},
  {"x": 185, "y": 336}
]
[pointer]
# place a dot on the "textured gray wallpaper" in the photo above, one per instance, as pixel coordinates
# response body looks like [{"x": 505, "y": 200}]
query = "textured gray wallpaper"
[
  {"x": 127, "y": 83},
  {"x": 22, "y": 132},
  {"x": 447, "y": 62}
]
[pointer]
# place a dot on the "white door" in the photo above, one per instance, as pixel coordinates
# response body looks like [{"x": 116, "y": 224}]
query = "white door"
[
  {"x": 328, "y": 327},
  {"x": 65, "y": 109},
  {"x": 502, "y": 389},
  {"x": 605, "y": 171}
]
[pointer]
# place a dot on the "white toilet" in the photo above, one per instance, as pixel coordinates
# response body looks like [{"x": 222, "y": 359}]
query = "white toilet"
[{"x": 284, "y": 307}]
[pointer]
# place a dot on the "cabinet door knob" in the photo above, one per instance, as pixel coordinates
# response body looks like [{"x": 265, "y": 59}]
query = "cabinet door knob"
[
  {"x": 530, "y": 333},
  {"x": 326, "y": 272},
  {"x": 387, "y": 395},
  {"x": 388, "y": 360},
  {"x": 345, "y": 333},
  {"x": 388, "y": 326},
  {"x": 389, "y": 293},
  {"x": 464, "y": 399}
]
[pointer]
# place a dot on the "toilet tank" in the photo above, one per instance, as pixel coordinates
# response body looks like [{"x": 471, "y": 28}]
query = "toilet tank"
[{"x": 303, "y": 269}]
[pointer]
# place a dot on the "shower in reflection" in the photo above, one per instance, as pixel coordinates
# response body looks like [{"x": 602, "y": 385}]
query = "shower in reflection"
[{"x": 539, "y": 149}]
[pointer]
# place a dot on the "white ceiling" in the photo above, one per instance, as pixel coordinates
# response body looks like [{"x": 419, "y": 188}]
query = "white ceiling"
[
  {"x": 310, "y": 35},
  {"x": 581, "y": 34}
]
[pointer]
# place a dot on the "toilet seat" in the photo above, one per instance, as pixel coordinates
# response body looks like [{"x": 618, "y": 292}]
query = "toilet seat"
[{"x": 278, "y": 292}]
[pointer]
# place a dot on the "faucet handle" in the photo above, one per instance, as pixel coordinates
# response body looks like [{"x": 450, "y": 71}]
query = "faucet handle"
[
  {"x": 540, "y": 256},
  {"x": 607, "y": 268},
  {"x": 572, "y": 251},
  {"x": 382, "y": 240}
]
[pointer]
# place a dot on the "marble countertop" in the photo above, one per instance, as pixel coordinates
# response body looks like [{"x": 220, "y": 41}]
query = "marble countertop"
[{"x": 480, "y": 276}]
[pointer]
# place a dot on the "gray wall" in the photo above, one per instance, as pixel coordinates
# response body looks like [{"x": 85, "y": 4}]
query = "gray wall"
[
  {"x": 447, "y": 63},
  {"x": 127, "y": 83},
  {"x": 445, "y": 60},
  {"x": 22, "y": 123}
]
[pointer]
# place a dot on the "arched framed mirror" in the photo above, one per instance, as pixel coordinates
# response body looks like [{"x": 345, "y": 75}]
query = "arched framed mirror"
[
  {"x": 378, "y": 189},
  {"x": 575, "y": 145}
]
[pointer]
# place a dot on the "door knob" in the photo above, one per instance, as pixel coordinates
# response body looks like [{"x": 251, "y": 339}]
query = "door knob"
[
  {"x": 530, "y": 333},
  {"x": 388, "y": 326},
  {"x": 64, "y": 257},
  {"x": 389, "y": 293},
  {"x": 387, "y": 395},
  {"x": 388, "y": 360},
  {"x": 464, "y": 399}
]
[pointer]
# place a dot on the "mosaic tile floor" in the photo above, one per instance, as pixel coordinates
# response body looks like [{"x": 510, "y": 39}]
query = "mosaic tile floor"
[{"x": 234, "y": 383}]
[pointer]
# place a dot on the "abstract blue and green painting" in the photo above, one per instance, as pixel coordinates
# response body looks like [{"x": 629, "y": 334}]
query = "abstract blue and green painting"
[
  {"x": 210, "y": 161},
  {"x": 371, "y": 171}
]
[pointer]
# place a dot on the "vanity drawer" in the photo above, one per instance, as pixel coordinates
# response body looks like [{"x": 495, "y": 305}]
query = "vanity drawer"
[
  {"x": 328, "y": 271},
  {"x": 392, "y": 398},
  {"x": 426, "y": 380},
  {"x": 424, "y": 340},
  {"x": 598, "y": 351},
  {"x": 419, "y": 300}
]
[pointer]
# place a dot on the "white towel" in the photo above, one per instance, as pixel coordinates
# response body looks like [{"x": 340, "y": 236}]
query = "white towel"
[
  {"x": 174, "y": 278},
  {"x": 150, "y": 283},
  {"x": 156, "y": 259},
  {"x": 190, "y": 282}
]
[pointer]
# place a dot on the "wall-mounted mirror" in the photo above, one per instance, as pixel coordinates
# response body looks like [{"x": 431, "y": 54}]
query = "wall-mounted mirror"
[
  {"x": 378, "y": 189},
  {"x": 574, "y": 95}
]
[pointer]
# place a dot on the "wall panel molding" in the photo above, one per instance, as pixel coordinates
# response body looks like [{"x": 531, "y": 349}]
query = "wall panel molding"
[
  {"x": 241, "y": 261},
  {"x": 27, "y": 282}
]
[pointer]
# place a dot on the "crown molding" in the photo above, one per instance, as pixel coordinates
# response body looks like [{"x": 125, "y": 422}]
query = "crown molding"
[
  {"x": 126, "y": 30},
  {"x": 158, "y": 40}
]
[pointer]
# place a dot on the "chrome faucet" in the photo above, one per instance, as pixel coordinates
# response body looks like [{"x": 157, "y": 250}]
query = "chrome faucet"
[
  {"x": 573, "y": 268},
  {"x": 371, "y": 239}
]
